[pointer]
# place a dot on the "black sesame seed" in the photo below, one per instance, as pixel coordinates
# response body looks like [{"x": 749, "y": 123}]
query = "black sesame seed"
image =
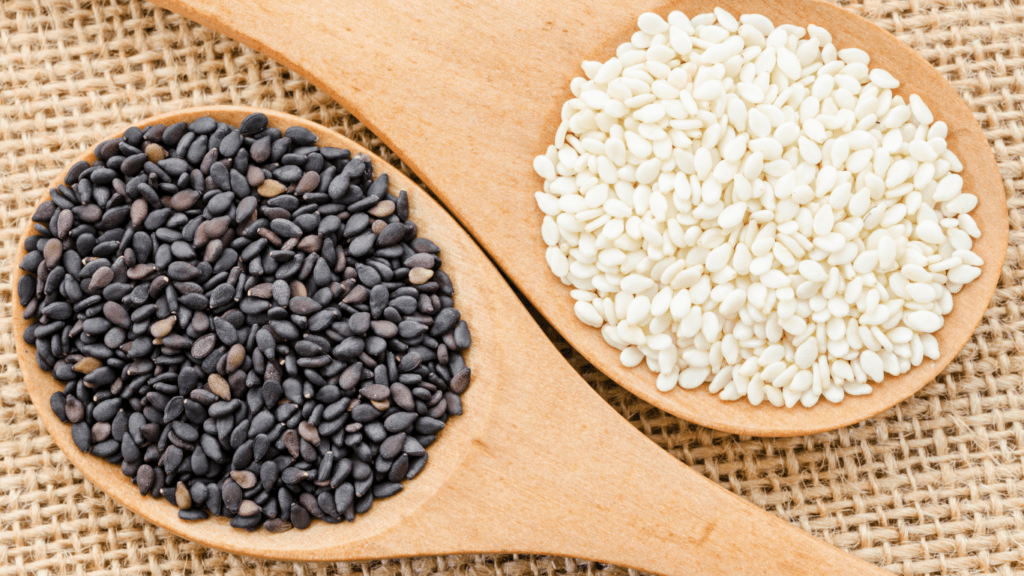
[{"x": 238, "y": 323}]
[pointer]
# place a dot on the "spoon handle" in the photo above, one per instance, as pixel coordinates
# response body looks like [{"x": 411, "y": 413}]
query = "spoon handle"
[
  {"x": 557, "y": 471},
  {"x": 466, "y": 93},
  {"x": 560, "y": 472}
]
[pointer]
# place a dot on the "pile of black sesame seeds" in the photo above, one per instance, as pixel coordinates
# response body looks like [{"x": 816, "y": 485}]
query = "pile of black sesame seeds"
[{"x": 246, "y": 322}]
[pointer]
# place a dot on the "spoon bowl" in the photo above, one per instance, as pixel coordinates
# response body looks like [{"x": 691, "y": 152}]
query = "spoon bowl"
[
  {"x": 538, "y": 461},
  {"x": 490, "y": 78},
  {"x": 445, "y": 456}
]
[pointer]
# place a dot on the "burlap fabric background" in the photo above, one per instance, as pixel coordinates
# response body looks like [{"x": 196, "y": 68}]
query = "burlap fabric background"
[{"x": 933, "y": 486}]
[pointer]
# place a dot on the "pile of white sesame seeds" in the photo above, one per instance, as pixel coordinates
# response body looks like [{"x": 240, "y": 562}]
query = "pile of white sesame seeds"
[{"x": 743, "y": 204}]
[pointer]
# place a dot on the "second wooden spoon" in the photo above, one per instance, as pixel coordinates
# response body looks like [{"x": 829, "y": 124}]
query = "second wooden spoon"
[{"x": 467, "y": 93}]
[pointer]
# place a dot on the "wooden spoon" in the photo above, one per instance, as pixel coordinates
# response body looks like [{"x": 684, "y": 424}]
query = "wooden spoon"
[
  {"x": 468, "y": 93},
  {"x": 538, "y": 461}
]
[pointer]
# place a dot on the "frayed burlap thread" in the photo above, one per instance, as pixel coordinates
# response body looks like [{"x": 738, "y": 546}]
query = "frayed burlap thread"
[{"x": 932, "y": 486}]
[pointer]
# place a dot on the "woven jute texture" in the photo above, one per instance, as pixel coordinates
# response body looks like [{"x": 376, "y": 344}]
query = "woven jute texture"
[{"x": 932, "y": 486}]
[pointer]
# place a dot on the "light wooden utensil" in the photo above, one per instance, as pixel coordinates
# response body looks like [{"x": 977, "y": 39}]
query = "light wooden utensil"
[
  {"x": 538, "y": 462},
  {"x": 468, "y": 93}
]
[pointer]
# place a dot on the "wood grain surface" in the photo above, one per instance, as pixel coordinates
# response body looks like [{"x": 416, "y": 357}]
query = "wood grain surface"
[
  {"x": 468, "y": 92},
  {"x": 538, "y": 462}
]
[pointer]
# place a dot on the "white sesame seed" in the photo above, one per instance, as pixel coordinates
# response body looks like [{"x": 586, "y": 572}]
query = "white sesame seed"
[{"x": 742, "y": 205}]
